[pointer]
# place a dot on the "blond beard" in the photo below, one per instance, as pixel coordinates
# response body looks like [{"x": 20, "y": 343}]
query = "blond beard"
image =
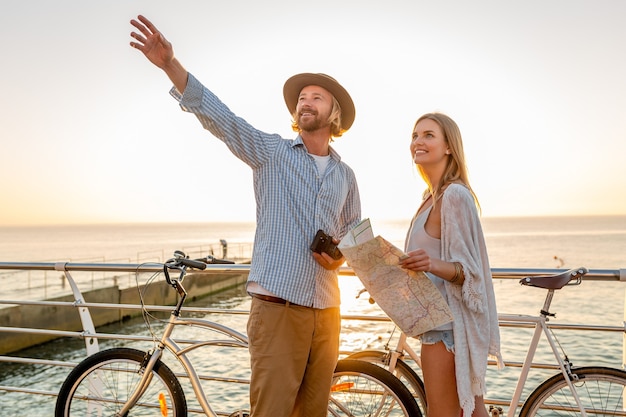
[{"x": 313, "y": 125}]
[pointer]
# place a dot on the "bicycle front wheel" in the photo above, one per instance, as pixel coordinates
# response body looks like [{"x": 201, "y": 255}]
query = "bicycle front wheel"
[
  {"x": 600, "y": 389},
  {"x": 363, "y": 389},
  {"x": 102, "y": 383}
]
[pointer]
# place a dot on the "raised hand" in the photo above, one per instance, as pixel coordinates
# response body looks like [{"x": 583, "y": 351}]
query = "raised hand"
[
  {"x": 158, "y": 51},
  {"x": 152, "y": 43}
]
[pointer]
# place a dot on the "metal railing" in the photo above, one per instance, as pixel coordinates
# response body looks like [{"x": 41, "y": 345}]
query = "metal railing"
[{"x": 110, "y": 274}]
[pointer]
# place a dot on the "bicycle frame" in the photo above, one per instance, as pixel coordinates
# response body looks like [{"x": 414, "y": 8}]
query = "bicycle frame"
[
  {"x": 397, "y": 353},
  {"x": 166, "y": 342},
  {"x": 541, "y": 327}
]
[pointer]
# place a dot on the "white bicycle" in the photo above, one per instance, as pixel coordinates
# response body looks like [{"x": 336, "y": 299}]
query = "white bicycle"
[
  {"x": 575, "y": 391},
  {"x": 123, "y": 381}
]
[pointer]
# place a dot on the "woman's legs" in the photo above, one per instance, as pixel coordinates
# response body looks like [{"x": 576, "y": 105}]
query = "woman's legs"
[
  {"x": 440, "y": 381},
  {"x": 438, "y": 369}
]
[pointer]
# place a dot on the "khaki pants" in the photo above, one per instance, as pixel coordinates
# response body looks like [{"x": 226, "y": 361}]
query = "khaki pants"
[{"x": 293, "y": 353}]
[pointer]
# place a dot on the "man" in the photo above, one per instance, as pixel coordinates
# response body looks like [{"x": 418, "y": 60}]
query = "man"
[{"x": 300, "y": 186}]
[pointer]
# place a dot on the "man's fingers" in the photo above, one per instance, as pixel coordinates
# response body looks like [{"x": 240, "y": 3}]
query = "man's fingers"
[
  {"x": 140, "y": 27},
  {"x": 148, "y": 24},
  {"x": 139, "y": 39}
]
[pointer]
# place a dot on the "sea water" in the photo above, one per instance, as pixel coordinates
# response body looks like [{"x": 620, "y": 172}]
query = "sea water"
[
  {"x": 555, "y": 242},
  {"x": 541, "y": 242}
]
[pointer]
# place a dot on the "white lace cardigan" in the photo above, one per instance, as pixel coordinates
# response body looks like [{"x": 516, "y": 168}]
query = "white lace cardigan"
[{"x": 473, "y": 305}]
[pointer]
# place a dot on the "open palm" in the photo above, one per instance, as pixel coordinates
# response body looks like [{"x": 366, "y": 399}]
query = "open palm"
[{"x": 151, "y": 42}]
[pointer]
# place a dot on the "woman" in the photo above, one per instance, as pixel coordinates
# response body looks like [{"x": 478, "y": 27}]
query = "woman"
[{"x": 445, "y": 240}]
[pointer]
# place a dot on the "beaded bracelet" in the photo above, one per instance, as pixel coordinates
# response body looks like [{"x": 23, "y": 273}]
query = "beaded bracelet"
[{"x": 458, "y": 272}]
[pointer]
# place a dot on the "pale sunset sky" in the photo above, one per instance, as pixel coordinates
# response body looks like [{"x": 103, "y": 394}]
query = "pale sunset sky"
[{"x": 89, "y": 133}]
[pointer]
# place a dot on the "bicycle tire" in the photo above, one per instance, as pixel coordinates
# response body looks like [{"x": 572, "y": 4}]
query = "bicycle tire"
[
  {"x": 402, "y": 371},
  {"x": 362, "y": 388},
  {"x": 102, "y": 382},
  {"x": 600, "y": 390}
]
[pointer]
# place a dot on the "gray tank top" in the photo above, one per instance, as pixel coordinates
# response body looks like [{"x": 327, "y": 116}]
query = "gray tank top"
[{"x": 418, "y": 238}]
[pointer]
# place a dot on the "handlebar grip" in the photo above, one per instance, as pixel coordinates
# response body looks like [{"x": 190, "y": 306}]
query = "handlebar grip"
[
  {"x": 193, "y": 263},
  {"x": 221, "y": 261},
  {"x": 210, "y": 259}
]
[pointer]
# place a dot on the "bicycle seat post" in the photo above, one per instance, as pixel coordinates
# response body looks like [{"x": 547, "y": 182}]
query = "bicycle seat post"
[{"x": 545, "y": 311}]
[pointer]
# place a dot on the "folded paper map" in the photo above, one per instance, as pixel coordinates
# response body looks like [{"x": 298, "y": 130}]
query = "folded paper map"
[{"x": 409, "y": 298}]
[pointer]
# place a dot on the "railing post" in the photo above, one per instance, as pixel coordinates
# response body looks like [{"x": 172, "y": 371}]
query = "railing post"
[
  {"x": 622, "y": 278},
  {"x": 91, "y": 343}
]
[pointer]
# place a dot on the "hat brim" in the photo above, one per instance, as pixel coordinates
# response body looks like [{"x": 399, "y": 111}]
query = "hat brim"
[{"x": 295, "y": 84}]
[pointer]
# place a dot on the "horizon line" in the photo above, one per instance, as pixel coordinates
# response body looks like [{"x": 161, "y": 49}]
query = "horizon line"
[{"x": 248, "y": 221}]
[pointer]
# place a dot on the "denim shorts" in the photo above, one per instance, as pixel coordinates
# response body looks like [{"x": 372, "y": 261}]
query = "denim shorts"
[{"x": 434, "y": 336}]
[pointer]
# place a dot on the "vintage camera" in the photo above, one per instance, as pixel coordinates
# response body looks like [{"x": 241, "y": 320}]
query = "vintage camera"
[{"x": 324, "y": 243}]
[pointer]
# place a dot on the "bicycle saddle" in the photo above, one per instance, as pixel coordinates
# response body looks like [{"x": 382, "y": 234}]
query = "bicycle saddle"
[{"x": 555, "y": 281}]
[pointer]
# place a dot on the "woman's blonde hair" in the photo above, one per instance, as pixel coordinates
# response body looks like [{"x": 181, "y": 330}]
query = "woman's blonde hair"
[
  {"x": 456, "y": 169},
  {"x": 334, "y": 119}
]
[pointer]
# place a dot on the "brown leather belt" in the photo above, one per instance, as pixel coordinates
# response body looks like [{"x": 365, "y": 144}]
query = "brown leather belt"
[{"x": 271, "y": 299}]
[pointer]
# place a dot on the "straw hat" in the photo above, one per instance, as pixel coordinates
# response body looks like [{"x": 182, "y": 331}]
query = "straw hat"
[{"x": 295, "y": 84}]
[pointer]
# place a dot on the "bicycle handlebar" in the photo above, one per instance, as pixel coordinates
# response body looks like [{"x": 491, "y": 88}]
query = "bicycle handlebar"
[
  {"x": 181, "y": 262},
  {"x": 209, "y": 259},
  {"x": 193, "y": 263}
]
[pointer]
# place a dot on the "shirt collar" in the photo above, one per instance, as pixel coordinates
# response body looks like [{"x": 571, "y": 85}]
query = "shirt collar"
[{"x": 299, "y": 142}]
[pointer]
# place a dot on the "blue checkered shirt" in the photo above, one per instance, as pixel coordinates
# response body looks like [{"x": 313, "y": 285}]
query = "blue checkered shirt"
[{"x": 293, "y": 201}]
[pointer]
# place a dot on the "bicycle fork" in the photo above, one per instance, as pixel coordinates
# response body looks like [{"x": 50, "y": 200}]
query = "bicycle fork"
[{"x": 150, "y": 360}]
